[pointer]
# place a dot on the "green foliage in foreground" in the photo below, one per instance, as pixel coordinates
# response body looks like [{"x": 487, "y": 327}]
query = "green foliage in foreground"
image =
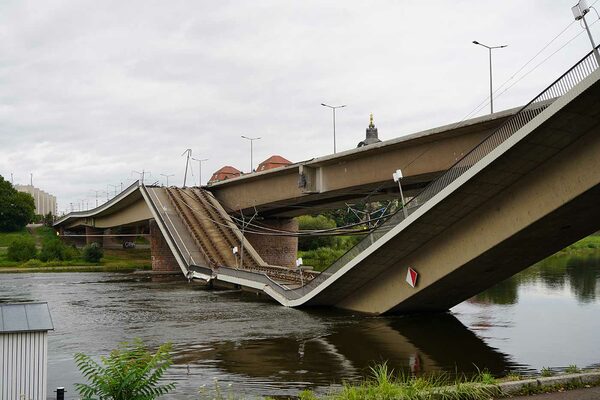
[
  {"x": 130, "y": 372},
  {"x": 22, "y": 249},
  {"x": 383, "y": 385}
]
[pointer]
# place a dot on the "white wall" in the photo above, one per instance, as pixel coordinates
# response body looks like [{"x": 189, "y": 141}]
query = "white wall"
[{"x": 23, "y": 365}]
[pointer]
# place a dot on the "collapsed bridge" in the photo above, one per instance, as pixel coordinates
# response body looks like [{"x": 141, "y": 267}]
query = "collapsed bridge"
[{"x": 529, "y": 188}]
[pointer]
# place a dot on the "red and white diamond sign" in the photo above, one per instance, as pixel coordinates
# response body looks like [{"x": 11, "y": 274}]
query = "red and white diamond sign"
[{"x": 411, "y": 277}]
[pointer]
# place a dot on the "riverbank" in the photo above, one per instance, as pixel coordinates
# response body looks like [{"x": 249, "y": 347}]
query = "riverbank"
[
  {"x": 382, "y": 384},
  {"x": 114, "y": 259}
]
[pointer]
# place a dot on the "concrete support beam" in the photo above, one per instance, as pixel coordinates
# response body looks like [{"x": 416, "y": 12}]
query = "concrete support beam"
[
  {"x": 90, "y": 238},
  {"x": 162, "y": 257},
  {"x": 277, "y": 250}
]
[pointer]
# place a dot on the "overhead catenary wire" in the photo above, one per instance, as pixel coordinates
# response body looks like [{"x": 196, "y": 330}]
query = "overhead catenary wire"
[
  {"x": 338, "y": 231},
  {"x": 295, "y": 232},
  {"x": 545, "y": 59}
]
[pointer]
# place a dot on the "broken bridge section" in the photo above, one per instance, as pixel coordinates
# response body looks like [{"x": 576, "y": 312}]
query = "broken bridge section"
[{"x": 205, "y": 240}]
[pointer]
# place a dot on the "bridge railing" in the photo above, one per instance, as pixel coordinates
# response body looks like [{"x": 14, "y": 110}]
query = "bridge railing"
[{"x": 558, "y": 88}]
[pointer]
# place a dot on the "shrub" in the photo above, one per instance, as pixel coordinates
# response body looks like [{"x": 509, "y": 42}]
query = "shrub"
[
  {"x": 92, "y": 253},
  {"x": 130, "y": 372},
  {"x": 55, "y": 250},
  {"x": 22, "y": 249}
]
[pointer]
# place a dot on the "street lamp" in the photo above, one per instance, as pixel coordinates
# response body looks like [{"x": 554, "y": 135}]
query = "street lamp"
[
  {"x": 167, "y": 176},
  {"x": 200, "y": 161},
  {"x": 397, "y": 178},
  {"x": 114, "y": 187},
  {"x": 142, "y": 174},
  {"x": 333, "y": 108},
  {"x": 579, "y": 10},
  {"x": 490, "y": 52},
  {"x": 251, "y": 150}
]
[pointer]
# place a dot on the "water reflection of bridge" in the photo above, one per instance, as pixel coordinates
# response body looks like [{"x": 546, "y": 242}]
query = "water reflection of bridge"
[{"x": 419, "y": 344}]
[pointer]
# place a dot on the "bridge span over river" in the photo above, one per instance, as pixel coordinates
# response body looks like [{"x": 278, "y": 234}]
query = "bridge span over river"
[{"x": 489, "y": 198}]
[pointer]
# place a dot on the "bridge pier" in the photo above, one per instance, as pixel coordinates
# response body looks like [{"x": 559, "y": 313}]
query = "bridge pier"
[
  {"x": 94, "y": 239},
  {"x": 277, "y": 250},
  {"x": 162, "y": 256}
]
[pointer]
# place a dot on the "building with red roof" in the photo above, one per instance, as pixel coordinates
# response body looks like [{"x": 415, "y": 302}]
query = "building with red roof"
[
  {"x": 273, "y": 162},
  {"x": 227, "y": 172}
]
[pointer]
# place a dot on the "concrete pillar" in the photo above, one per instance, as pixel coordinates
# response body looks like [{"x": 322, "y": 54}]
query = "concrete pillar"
[
  {"x": 277, "y": 250},
  {"x": 162, "y": 257},
  {"x": 93, "y": 239}
]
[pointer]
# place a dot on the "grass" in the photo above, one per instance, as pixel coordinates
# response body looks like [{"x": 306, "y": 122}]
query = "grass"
[
  {"x": 382, "y": 384},
  {"x": 6, "y": 238},
  {"x": 546, "y": 372},
  {"x": 572, "y": 369},
  {"x": 113, "y": 260},
  {"x": 585, "y": 245}
]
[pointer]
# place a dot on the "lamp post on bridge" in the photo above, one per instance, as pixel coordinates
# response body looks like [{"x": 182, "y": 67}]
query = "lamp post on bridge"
[
  {"x": 200, "y": 161},
  {"x": 114, "y": 187},
  {"x": 142, "y": 174},
  {"x": 490, "y": 48},
  {"x": 397, "y": 178},
  {"x": 251, "y": 150},
  {"x": 333, "y": 108},
  {"x": 167, "y": 177},
  {"x": 579, "y": 10}
]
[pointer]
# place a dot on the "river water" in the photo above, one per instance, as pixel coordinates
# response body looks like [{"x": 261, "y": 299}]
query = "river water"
[{"x": 546, "y": 316}]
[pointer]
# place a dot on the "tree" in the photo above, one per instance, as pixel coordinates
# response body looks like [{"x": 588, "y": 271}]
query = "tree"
[
  {"x": 48, "y": 219},
  {"x": 16, "y": 208},
  {"x": 130, "y": 372},
  {"x": 310, "y": 223}
]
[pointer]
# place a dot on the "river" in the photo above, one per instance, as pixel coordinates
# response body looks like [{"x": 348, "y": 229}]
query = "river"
[{"x": 546, "y": 316}]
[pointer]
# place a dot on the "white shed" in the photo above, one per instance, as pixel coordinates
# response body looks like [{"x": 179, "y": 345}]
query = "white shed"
[{"x": 23, "y": 350}]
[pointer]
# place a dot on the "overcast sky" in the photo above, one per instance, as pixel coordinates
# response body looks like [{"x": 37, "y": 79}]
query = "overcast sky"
[{"x": 91, "y": 90}]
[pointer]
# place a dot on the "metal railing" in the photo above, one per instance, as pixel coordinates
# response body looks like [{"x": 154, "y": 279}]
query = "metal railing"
[{"x": 558, "y": 88}]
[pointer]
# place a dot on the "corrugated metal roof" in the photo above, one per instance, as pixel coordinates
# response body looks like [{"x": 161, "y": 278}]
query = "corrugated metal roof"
[{"x": 25, "y": 317}]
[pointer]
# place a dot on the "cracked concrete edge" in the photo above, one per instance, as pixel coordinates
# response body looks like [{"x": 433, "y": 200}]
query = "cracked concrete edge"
[{"x": 514, "y": 387}]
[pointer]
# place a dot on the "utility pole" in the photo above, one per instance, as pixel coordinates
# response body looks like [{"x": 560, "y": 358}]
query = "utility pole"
[
  {"x": 200, "y": 161},
  {"x": 187, "y": 162}
]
